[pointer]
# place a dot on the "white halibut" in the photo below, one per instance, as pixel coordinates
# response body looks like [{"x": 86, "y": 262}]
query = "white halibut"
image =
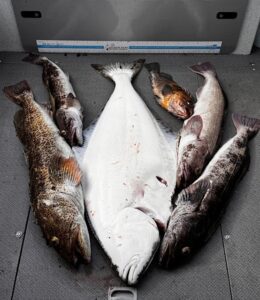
[{"x": 129, "y": 171}]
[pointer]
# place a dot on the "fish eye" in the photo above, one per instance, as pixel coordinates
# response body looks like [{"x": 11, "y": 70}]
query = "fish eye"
[{"x": 186, "y": 251}]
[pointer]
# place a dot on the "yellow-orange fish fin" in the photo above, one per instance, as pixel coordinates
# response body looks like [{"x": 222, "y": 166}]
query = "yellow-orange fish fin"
[{"x": 67, "y": 168}]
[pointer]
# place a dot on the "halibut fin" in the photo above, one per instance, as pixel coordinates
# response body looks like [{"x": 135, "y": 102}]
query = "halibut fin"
[{"x": 110, "y": 70}]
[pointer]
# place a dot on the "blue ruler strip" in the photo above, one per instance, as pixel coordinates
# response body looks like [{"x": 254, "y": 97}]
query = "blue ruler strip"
[{"x": 175, "y": 47}]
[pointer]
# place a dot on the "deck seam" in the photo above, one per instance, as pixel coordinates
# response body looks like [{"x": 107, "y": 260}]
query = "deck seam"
[
  {"x": 226, "y": 263},
  {"x": 21, "y": 251}
]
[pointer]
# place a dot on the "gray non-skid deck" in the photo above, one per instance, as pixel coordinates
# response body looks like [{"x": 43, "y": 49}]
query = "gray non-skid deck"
[{"x": 226, "y": 268}]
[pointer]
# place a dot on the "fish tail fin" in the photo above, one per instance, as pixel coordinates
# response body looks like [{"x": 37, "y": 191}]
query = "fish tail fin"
[
  {"x": 109, "y": 71},
  {"x": 35, "y": 59},
  {"x": 252, "y": 125},
  {"x": 19, "y": 92},
  {"x": 204, "y": 69},
  {"x": 153, "y": 67}
]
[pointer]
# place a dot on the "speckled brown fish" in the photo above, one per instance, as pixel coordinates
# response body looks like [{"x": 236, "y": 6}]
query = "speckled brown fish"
[
  {"x": 200, "y": 206},
  {"x": 55, "y": 178},
  {"x": 169, "y": 94},
  {"x": 66, "y": 108},
  {"x": 201, "y": 133}
]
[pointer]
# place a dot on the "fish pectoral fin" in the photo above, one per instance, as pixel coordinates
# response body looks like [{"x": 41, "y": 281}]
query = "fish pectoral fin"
[
  {"x": 193, "y": 195},
  {"x": 66, "y": 168},
  {"x": 193, "y": 126},
  {"x": 167, "y": 90}
]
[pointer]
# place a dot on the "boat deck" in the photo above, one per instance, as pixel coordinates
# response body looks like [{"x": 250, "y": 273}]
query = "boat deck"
[{"x": 226, "y": 268}]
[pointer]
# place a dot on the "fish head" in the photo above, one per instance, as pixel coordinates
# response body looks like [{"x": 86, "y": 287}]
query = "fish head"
[
  {"x": 191, "y": 164},
  {"x": 182, "y": 104},
  {"x": 64, "y": 227},
  {"x": 181, "y": 240},
  {"x": 187, "y": 227},
  {"x": 135, "y": 239},
  {"x": 176, "y": 245},
  {"x": 69, "y": 120}
]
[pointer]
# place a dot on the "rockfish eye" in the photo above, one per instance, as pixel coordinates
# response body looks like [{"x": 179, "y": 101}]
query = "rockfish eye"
[{"x": 186, "y": 251}]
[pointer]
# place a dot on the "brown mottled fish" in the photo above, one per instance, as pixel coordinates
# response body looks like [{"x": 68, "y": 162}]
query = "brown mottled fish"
[
  {"x": 200, "y": 206},
  {"x": 55, "y": 178},
  {"x": 66, "y": 108},
  {"x": 169, "y": 94},
  {"x": 201, "y": 133}
]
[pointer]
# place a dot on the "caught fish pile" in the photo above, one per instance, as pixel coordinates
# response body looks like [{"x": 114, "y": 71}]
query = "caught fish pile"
[
  {"x": 143, "y": 187},
  {"x": 200, "y": 206}
]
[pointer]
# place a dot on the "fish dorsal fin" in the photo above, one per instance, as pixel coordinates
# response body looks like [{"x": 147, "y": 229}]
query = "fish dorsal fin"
[
  {"x": 166, "y": 90},
  {"x": 193, "y": 126},
  {"x": 66, "y": 168},
  {"x": 194, "y": 194},
  {"x": 166, "y": 76}
]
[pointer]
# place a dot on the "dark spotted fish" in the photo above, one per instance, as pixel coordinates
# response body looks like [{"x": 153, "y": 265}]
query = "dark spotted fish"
[
  {"x": 66, "y": 108},
  {"x": 201, "y": 133},
  {"x": 200, "y": 206},
  {"x": 169, "y": 94},
  {"x": 55, "y": 178}
]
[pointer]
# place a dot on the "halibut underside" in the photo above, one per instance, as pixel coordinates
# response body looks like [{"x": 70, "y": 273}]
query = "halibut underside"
[{"x": 129, "y": 171}]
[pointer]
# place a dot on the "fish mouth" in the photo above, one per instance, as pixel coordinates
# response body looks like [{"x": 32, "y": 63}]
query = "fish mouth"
[
  {"x": 184, "y": 112},
  {"x": 75, "y": 137},
  {"x": 131, "y": 271},
  {"x": 70, "y": 126}
]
